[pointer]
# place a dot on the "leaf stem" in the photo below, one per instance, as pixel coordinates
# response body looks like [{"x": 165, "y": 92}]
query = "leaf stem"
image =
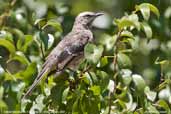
[{"x": 41, "y": 49}]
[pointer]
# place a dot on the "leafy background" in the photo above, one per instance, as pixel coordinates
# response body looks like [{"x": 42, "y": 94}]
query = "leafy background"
[{"x": 127, "y": 70}]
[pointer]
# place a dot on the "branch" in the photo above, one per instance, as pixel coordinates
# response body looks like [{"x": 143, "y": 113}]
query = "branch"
[
  {"x": 115, "y": 62},
  {"x": 115, "y": 59}
]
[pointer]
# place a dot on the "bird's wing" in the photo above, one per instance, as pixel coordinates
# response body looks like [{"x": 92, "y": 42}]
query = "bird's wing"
[{"x": 61, "y": 55}]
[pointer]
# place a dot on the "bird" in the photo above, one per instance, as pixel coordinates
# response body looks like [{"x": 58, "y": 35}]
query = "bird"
[{"x": 70, "y": 49}]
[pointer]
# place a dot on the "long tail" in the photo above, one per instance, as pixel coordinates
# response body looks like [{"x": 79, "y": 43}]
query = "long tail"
[{"x": 43, "y": 73}]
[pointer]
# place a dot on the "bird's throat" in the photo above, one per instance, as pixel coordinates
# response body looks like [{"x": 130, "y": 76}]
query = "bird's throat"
[{"x": 80, "y": 27}]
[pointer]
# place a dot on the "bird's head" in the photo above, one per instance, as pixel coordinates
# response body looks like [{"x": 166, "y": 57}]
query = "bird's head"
[{"x": 86, "y": 18}]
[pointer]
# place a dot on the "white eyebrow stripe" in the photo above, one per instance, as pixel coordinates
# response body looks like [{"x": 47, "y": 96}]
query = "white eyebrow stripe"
[{"x": 85, "y": 13}]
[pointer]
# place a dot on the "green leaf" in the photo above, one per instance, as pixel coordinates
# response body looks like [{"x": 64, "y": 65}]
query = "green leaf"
[
  {"x": 28, "y": 41},
  {"x": 139, "y": 83},
  {"x": 38, "y": 105},
  {"x": 147, "y": 29},
  {"x": 152, "y": 110},
  {"x": 145, "y": 10},
  {"x": 64, "y": 95},
  {"x": 19, "y": 56},
  {"x": 103, "y": 62},
  {"x": 165, "y": 94},
  {"x": 111, "y": 86},
  {"x": 87, "y": 79},
  {"x": 122, "y": 103},
  {"x": 2, "y": 71},
  {"x": 50, "y": 40},
  {"x": 93, "y": 52},
  {"x": 24, "y": 103},
  {"x": 8, "y": 45},
  {"x": 128, "y": 21},
  {"x": 96, "y": 90},
  {"x": 125, "y": 23},
  {"x": 75, "y": 107},
  {"x": 164, "y": 105},
  {"x": 3, "y": 105},
  {"x": 167, "y": 13},
  {"x": 126, "y": 76},
  {"x": 126, "y": 33},
  {"x": 131, "y": 105},
  {"x": 1, "y": 92},
  {"x": 40, "y": 22},
  {"x": 54, "y": 24},
  {"x": 17, "y": 87},
  {"x": 162, "y": 62},
  {"x": 108, "y": 41},
  {"x": 151, "y": 95},
  {"x": 26, "y": 74},
  {"x": 152, "y": 8},
  {"x": 44, "y": 38},
  {"x": 124, "y": 60}
]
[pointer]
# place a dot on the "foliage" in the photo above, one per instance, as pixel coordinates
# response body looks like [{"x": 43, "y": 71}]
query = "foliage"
[{"x": 127, "y": 70}]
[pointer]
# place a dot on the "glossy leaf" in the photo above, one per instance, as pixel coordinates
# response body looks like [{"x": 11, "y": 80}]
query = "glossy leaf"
[
  {"x": 126, "y": 33},
  {"x": 8, "y": 45},
  {"x": 165, "y": 93},
  {"x": 19, "y": 56},
  {"x": 139, "y": 83},
  {"x": 54, "y": 24},
  {"x": 64, "y": 96},
  {"x": 28, "y": 41},
  {"x": 126, "y": 76},
  {"x": 44, "y": 38},
  {"x": 145, "y": 10},
  {"x": 111, "y": 86},
  {"x": 103, "y": 62},
  {"x": 151, "y": 95},
  {"x": 128, "y": 21},
  {"x": 147, "y": 29},
  {"x": 2, "y": 71},
  {"x": 93, "y": 52},
  {"x": 150, "y": 6},
  {"x": 40, "y": 22},
  {"x": 124, "y": 61},
  {"x": 24, "y": 42}
]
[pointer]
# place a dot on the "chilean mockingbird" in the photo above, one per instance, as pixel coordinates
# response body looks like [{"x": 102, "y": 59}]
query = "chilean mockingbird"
[{"x": 69, "y": 49}]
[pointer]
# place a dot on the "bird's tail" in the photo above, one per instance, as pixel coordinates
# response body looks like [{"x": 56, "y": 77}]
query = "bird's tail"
[{"x": 43, "y": 73}]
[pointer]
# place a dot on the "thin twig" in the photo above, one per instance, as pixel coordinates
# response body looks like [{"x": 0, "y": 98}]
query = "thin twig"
[
  {"x": 115, "y": 62},
  {"x": 115, "y": 59}
]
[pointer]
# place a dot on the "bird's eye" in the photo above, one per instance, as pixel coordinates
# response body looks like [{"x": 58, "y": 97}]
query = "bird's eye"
[{"x": 88, "y": 15}]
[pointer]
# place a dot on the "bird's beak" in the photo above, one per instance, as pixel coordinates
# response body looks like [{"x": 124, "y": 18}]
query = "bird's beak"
[{"x": 99, "y": 14}]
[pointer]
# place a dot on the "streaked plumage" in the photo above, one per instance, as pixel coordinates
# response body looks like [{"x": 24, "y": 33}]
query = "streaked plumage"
[{"x": 70, "y": 49}]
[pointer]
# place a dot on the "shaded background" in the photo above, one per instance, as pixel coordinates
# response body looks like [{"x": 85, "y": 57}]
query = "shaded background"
[{"x": 17, "y": 24}]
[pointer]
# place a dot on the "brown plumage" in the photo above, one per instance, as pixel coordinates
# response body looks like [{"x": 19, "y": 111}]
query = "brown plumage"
[{"x": 69, "y": 50}]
